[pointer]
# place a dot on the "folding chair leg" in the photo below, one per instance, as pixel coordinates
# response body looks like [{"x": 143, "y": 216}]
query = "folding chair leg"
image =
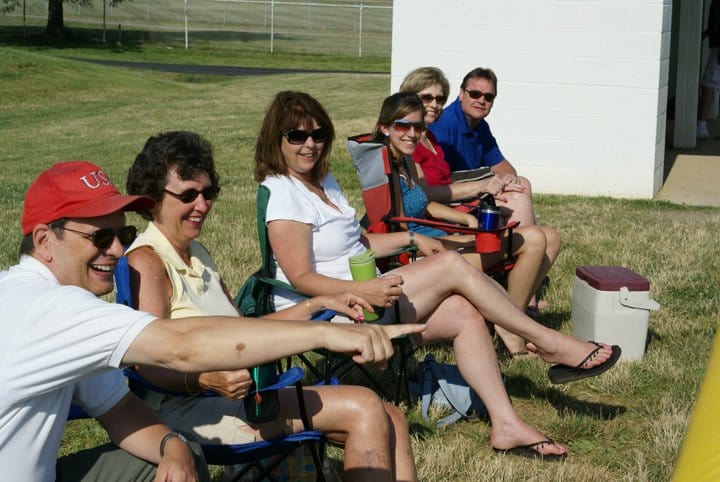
[
  {"x": 402, "y": 375},
  {"x": 318, "y": 459},
  {"x": 307, "y": 425}
]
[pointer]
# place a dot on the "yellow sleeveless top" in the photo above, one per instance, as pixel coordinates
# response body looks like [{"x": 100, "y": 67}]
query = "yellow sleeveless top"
[{"x": 196, "y": 288}]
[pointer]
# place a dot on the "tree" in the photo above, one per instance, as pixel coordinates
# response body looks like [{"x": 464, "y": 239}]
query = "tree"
[{"x": 55, "y": 27}]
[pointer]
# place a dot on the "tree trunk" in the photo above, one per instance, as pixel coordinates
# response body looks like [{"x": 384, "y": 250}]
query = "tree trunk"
[{"x": 55, "y": 28}]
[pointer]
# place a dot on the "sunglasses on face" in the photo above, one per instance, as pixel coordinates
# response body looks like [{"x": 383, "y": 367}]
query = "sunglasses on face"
[
  {"x": 428, "y": 98},
  {"x": 476, "y": 94},
  {"x": 103, "y": 238},
  {"x": 403, "y": 126},
  {"x": 209, "y": 193},
  {"x": 298, "y": 136}
]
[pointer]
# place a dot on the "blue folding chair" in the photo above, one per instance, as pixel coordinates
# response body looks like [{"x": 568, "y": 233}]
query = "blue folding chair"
[{"x": 252, "y": 454}]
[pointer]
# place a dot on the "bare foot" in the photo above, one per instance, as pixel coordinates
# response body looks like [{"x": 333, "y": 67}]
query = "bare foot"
[{"x": 571, "y": 352}]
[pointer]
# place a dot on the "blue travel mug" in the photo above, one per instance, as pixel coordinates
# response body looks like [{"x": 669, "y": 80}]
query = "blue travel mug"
[{"x": 488, "y": 218}]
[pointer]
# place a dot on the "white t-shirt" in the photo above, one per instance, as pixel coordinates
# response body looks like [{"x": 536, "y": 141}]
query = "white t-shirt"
[
  {"x": 58, "y": 345},
  {"x": 335, "y": 234}
]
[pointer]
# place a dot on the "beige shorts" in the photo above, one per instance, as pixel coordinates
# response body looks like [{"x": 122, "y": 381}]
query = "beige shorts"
[{"x": 210, "y": 420}]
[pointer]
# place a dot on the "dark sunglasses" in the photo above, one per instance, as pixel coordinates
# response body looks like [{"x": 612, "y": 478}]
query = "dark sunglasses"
[
  {"x": 476, "y": 94},
  {"x": 428, "y": 98},
  {"x": 403, "y": 126},
  {"x": 209, "y": 193},
  {"x": 297, "y": 136},
  {"x": 103, "y": 238}
]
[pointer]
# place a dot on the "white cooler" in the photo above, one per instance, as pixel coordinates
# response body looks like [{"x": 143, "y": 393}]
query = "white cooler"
[{"x": 612, "y": 305}]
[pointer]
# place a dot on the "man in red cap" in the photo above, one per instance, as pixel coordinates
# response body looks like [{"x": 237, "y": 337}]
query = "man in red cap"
[{"x": 62, "y": 345}]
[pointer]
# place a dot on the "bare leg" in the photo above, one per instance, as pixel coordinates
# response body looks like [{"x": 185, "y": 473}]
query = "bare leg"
[
  {"x": 707, "y": 97},
  {"x": 534, "y": 258},
  {"x": 426, "y": 285},
  {"x": 520, "y": 204},
  {"x": 456, "y": 320},
  {"x": 529, "y": 249},
  {"x": 553, "y": 242},
  {"x": 375, "y": 434}
]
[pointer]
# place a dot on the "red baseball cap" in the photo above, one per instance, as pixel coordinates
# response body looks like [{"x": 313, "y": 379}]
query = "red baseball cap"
[{"x": 75, "y": 189}]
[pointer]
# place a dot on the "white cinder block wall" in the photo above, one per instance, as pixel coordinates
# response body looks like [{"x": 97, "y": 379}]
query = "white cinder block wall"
[{"x": 582, "y": 84}]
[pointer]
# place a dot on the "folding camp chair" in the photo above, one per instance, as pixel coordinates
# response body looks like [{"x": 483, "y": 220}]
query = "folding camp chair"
[
  {"x": 383, "y": 203},
  {"x": 257, "y": 292},
  {"x": 251, "y": 455}
]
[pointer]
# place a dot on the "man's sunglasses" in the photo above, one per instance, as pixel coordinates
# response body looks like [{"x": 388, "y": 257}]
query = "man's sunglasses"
[
  {"x": 428, "y": 98},
  {"x": 297, "y": 136},
  {"x": 403, "y": 126},
  {"x": 103, "y": 238},
  {"x": 209, "y": 193},
  {"x": 476, "y": 94}
]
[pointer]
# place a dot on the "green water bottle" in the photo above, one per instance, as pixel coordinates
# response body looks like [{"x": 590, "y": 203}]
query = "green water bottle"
[{"x": 264, "y": 406}]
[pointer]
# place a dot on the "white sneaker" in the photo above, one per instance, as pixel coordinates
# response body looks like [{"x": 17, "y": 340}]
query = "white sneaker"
[{"x": 702, "y": 132}]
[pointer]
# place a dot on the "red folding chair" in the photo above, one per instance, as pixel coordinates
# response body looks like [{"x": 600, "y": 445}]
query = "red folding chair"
[{"x": 383, "y": 204}]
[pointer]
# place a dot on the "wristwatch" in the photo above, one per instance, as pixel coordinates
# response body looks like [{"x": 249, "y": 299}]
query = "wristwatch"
[{"x": 167, "y": 437}]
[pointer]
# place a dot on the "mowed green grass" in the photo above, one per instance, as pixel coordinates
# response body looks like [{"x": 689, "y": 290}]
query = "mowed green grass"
[{"x": 625, "y": 425}]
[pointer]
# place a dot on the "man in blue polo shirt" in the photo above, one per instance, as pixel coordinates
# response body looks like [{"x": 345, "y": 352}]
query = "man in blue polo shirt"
[
  {"x": 465, "y": 137},
  {"x": 468, "y": 143}
]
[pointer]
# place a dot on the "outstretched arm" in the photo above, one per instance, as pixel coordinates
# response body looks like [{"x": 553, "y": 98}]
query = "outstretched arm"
[{"x": 200, "y": 344}]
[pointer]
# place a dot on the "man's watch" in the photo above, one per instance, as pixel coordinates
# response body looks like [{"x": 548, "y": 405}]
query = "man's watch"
[{"x": 167, "y": 437}]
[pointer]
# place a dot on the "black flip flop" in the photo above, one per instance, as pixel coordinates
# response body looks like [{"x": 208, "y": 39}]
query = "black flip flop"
[
  {"x": 529, "y": 451},
  {"x": 563, "y": 373}
]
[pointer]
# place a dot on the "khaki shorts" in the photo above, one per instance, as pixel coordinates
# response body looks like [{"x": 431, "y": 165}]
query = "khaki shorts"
[{"x": 209, "y": 420}]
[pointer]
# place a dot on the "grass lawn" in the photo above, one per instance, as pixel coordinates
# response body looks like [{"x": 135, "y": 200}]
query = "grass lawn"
[{"x": 625, "y": 425}]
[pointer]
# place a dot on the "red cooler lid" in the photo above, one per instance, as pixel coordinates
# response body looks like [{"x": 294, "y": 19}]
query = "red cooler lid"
[{"x": 612, "y": 278}]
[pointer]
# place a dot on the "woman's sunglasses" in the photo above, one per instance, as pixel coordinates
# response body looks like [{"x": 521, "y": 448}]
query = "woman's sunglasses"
[
  {"x": 103, "y": 238},
  {"x": 402, "y": 126},
  {"x": 298, "y": 136},
  {"x": 476, "y": 94},
  {"x": 209, "y": 193},
  {"x": 428, "y": 98}
]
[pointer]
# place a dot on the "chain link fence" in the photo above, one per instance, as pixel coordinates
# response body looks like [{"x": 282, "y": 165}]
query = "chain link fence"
[{"x": 345, "y": 27}]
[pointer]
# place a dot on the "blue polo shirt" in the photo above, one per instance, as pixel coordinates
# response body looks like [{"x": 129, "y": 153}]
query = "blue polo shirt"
[{"x": 465, "y": 148}]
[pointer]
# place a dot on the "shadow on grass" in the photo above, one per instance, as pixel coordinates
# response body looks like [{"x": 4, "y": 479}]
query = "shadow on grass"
[
  {"x": 422, "y": 432},
  {"x": 75, "y": 38},
  {"x": 554, "y": 319},
  {"x": 120, "y": 39},
  {"x": 522, "y": 386}
]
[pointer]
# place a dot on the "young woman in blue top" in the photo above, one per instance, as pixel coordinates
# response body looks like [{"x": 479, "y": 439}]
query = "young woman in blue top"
[{"x": 400, "y": 126}]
